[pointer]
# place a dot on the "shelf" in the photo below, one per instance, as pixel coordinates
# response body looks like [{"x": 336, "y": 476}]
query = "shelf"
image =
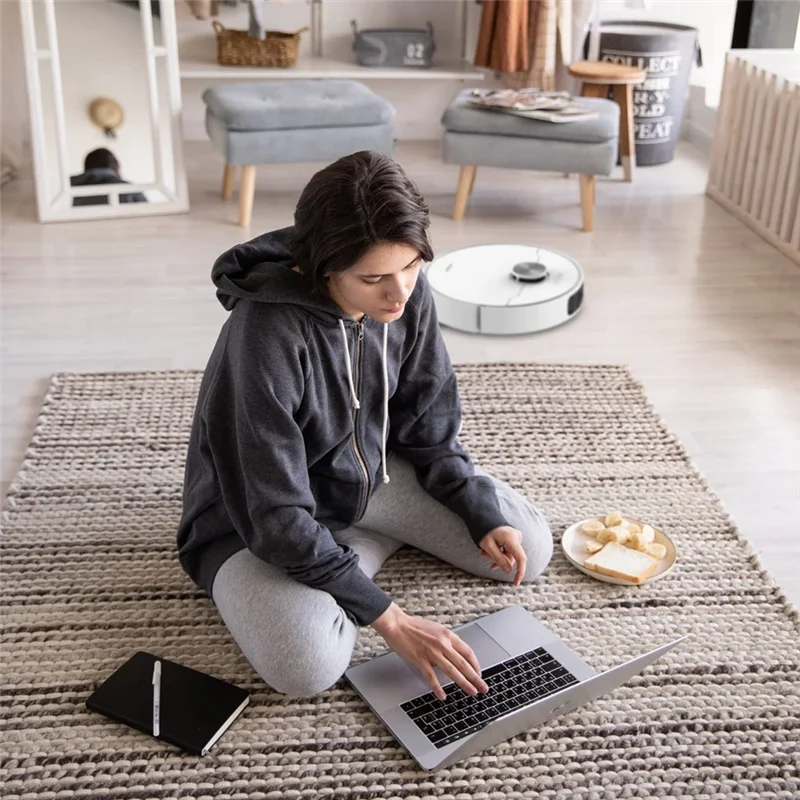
[
  {"x": 197, "y": 49},
  {"x": 310, "y": 67},
  {"x": 197, "y": 43}
]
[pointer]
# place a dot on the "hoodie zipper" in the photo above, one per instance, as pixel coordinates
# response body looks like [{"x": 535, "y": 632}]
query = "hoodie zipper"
[{"x": 356, "y": 381}]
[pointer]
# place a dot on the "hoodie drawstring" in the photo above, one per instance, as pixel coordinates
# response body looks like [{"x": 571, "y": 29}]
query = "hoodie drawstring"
[
  {"x": 347, "y": 361},
  {"x": 354, "y": 399},
  {"x": 385, "y": 401}
]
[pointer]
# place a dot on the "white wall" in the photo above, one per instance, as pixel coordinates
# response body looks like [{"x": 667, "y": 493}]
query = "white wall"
[{"x": 112, "y": 34}]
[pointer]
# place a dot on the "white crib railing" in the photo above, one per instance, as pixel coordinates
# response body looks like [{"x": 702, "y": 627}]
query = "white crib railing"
[{"x": 755, "y": 155}]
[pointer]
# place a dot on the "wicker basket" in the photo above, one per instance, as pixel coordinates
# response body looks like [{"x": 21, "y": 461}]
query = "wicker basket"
[{"x": 240, "y": 49}]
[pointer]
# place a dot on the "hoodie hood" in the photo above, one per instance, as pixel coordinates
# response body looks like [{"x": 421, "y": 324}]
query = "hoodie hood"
[{"x": 261, "y": 270}]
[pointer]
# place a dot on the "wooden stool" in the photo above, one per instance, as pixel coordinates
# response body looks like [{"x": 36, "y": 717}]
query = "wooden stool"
[{"x": 597, "y": 77}]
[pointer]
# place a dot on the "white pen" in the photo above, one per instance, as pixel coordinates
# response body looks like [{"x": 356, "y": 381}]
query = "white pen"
[{"x": 156, "y": 698}]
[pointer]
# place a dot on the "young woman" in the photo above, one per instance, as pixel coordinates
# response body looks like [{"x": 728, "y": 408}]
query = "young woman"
[{"x": 326, "y": 437}]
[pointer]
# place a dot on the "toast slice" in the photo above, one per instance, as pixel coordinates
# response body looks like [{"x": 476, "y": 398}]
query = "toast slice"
[{"x": 622, "y": 562}]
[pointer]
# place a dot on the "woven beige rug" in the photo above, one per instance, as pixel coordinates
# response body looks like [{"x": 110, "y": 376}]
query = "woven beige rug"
[{"x": 89, "y": 576}]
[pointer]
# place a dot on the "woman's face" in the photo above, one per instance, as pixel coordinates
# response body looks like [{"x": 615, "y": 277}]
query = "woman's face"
[{"x": 378, "y": 285}]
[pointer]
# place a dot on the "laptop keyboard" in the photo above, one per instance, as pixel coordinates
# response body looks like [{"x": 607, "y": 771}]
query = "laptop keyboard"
[{"x": 512, "y": 684}]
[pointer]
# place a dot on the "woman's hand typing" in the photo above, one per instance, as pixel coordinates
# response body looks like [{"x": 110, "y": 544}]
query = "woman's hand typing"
[{"x": 426, "y": 644}]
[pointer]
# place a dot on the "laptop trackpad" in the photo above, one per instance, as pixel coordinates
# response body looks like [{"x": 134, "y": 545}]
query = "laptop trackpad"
[
  {"x": 388, "y": 680},
  {"x": 486, "y": 649}
]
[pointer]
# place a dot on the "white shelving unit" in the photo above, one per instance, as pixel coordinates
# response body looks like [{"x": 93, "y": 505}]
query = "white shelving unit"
[
  {"x": 198, "y": 58},
  {"x": 318, "y": 67}
]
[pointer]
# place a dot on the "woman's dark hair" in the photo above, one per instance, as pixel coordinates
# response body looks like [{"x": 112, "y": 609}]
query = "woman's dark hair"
[
  {"x": 351, "y": 205},
  {"x": 100, "y": 159}
]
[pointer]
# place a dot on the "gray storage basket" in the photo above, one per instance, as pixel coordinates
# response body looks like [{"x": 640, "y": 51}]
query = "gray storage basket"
[{"x": 393, "y": 47}]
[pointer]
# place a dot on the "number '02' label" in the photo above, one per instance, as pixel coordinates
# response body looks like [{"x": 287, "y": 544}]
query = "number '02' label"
[{"x": 415, "y": 51}]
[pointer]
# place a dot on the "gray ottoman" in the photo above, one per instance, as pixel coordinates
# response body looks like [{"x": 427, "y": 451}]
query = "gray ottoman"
[
  {"x": 474, "y": 137},
  {"x": 275, "y": 122}
]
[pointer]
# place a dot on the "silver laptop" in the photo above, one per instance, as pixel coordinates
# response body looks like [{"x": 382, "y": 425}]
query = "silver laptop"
[{"x": 532, "y": 676}]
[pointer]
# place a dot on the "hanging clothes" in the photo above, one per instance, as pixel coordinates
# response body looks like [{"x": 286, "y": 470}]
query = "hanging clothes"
[
  {"x": 550, "y": 44},
  {"x": 503, "y": 43},
  {"x": 526, "y": 40}
]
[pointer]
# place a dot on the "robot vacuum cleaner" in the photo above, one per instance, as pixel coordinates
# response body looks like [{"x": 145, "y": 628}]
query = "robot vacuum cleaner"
[{"x": 505, "y": 289}]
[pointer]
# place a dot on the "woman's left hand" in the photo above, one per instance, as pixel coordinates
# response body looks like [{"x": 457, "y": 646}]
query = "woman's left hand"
[{"x": 503, "y": 546}]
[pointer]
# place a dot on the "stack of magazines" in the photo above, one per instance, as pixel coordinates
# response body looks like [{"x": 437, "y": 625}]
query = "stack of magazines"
[{"x": 532, "y": 103}]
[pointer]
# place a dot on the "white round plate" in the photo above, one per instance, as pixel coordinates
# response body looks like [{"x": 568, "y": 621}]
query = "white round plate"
[{"x": 573, "y": 543}]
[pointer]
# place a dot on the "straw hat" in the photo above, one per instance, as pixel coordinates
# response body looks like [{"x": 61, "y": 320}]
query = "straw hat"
[{"x": 106, "y": 114}]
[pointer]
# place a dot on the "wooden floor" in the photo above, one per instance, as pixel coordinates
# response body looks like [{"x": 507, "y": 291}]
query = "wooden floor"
[{"x": 705, "y": 313}]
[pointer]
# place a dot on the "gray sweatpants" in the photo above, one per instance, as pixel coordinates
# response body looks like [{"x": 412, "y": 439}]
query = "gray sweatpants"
[{"x": 298, "y": 638}]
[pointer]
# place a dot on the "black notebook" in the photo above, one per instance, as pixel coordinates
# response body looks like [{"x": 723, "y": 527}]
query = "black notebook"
[{"x": 194, "y": 709}]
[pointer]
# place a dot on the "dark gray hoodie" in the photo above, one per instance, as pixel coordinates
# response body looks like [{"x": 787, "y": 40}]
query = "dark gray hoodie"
[{"x": 296, "y": 407}]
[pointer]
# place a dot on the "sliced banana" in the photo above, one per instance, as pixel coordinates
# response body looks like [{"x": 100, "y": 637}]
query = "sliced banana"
[
  {"x": 593, "y": 527},
  {"x": 621, "y": 533},
  {"x": 637, "y": 542},
  {"x": 656, "y": 550},
  {"x": 612, "y": 519},
  {"x": 616, "y": 534},
  {"x": 632, "y": 526},
  {"x": 593, "y": 547}
]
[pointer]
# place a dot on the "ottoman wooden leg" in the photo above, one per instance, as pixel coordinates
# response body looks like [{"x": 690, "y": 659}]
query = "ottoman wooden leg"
[
  {"x": 246, "y": 192},
  {"x": 587, "y": 201},
  {"x": 627, "y": 146},
  {"x": 472, "y": 180},
  {"x": 228, "y": 181},
  {"x": 465, "y": 179}
]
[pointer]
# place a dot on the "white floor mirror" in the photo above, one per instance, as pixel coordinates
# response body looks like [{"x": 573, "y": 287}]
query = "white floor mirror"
[{"x": 105, "y": 105}]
